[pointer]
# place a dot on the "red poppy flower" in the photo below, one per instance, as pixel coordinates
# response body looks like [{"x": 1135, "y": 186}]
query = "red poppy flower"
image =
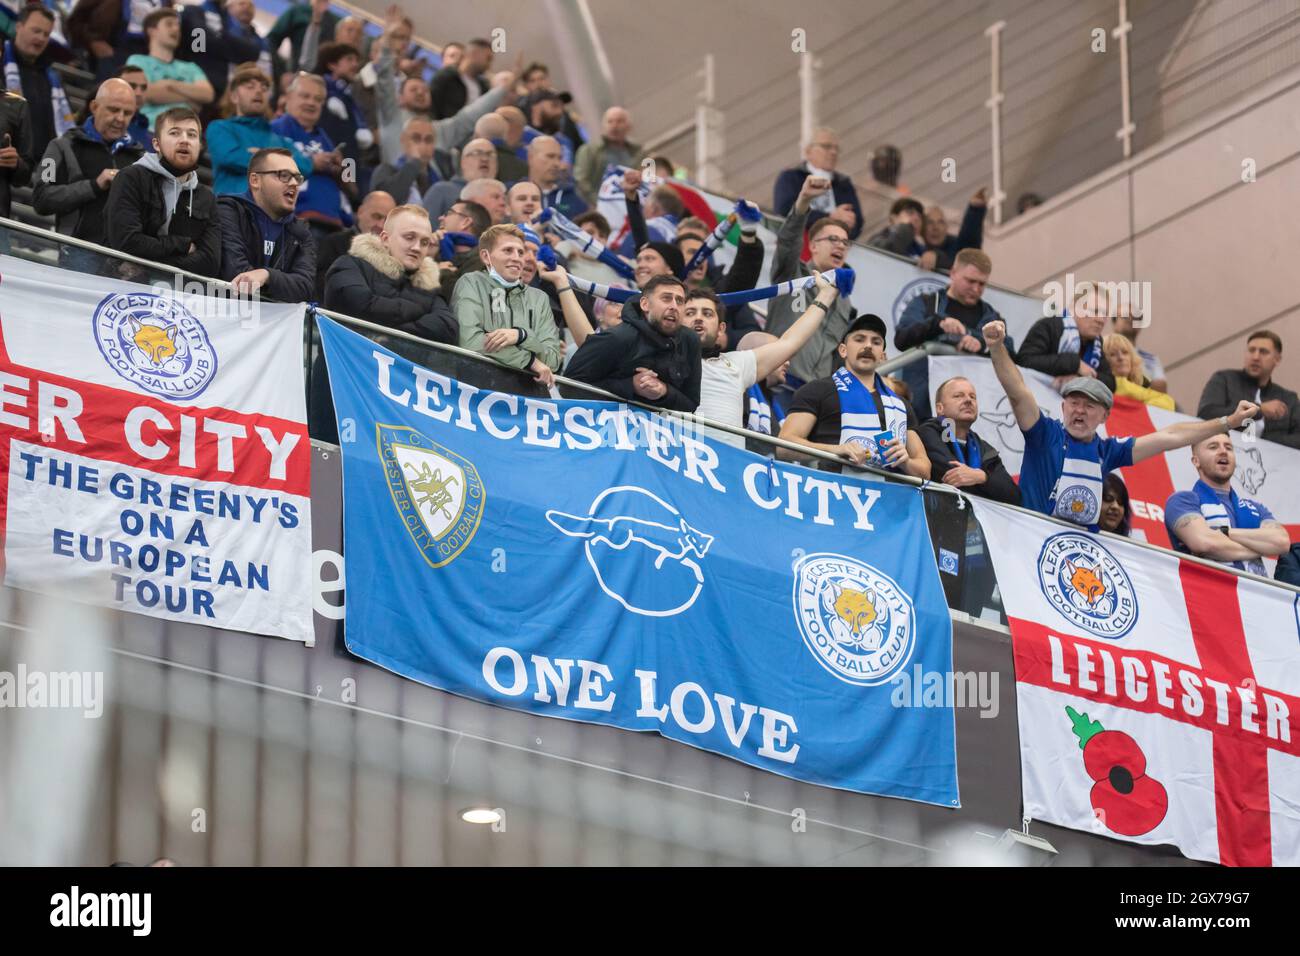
[{"x": 1124, "y": 798}]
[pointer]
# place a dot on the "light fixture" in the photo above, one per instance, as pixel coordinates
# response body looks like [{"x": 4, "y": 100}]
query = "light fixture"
[{"x": 481, "y": 815}]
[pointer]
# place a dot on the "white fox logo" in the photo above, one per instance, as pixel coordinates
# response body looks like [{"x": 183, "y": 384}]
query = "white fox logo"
[{"x": 619, "y": 533}]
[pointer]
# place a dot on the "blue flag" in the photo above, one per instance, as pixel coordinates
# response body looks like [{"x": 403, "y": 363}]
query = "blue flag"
[{"x": 596, "y": 562}]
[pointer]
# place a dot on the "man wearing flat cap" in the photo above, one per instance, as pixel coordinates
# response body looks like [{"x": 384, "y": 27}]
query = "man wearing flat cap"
[{"x": 1066, "y": 461}]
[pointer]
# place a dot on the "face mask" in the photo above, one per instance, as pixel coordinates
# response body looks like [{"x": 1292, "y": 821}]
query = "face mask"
[{"x": 496, "y": 277}]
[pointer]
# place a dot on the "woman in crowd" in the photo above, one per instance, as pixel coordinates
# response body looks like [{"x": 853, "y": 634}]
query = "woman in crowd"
[
  {"x": 1130, "y": 376},
  {"x": 1116, "y": 515}
]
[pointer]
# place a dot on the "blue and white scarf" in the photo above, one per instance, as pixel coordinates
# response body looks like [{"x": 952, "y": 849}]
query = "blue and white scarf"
[
  {"x": 763, "y": 416},
  {"x": 860, "y": 421},
  {"x": 1076, "y": 496},
  {"x": 450, "y": 240},
  {"x": 1238, "y": 513},
  {"x": 972, "y": 456},
  {"x": 88, "y": 127},
  {"x": 63, "y": 118},
  {"x": 564, "y": 227},
  {"x": 133, "y": 14},
  {"x": 843, "y": 278},
  {"x": 340, "y": 103},
  {"x": 1071, "y": 342}
]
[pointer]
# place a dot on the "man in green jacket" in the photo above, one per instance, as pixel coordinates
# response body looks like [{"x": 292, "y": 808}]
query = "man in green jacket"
[
  {"x": 502, "y": 317},
  {"x": 614, "y": 147}
]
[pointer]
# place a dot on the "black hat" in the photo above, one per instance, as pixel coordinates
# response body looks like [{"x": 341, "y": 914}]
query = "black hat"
[
  {"x": 868, "y": 321},
  {"x": 672, "y": 255},
  {"x": 541, "y": 96}
]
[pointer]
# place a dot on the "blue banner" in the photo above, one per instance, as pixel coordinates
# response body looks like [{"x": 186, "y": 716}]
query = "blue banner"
[{"x": 591, "y": 561}]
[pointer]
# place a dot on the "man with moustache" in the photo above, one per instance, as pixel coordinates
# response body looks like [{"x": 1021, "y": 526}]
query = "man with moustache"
[
  {"x": 264, "y": 246},
  {"x": 157, "y": 208},
  {"x": 853, "y": 413},
  {"x": 1212, "y": 521},
  {"x": 958, "y": 456},
  {"x": 650, "y": 356}
]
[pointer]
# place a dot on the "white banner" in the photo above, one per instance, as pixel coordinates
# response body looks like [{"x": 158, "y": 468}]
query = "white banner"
[
  {"x": 154, "y": 450},
  {"x": 1266, "y": 471},
  {"x": 1156, "y": 696}
]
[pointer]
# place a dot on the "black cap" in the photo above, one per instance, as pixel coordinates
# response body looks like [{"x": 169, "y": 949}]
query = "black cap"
[
  {"x": 672, "y": 255},
  {"x": 869, "y": 321},
  {"x": 541, "y": 96}
]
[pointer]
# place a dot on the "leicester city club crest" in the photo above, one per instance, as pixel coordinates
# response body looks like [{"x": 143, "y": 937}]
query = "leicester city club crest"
[
  {"x": 857, "y": 622},
  {"x": 1086, "y": 585},
  {"x": 155, "y": 343},
  {"x": 437, "y": 493},
  {"x": 1078, "y": 504}
]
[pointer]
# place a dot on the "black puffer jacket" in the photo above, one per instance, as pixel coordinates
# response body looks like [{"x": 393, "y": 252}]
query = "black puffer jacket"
[
  {"x": 611, "y": 357},
  {"x": 369, "y": 283}
]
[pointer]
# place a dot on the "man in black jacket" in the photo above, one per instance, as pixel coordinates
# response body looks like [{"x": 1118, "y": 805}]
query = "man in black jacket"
[
  {"x": 81, "y": 164},
  {"x": 370, "y": 218},
  {"x": 449, "y": 89},
  {"x": 958, "y": 456},
  {"x": 157, "y": 208},
  {"x": 263, "y": 245},
  {"x": 650, "y": 356},
  {"x": 15, "y": 147},
  {"x": 1069, "y": 346},
  {"x": 390, "y": 279},
  {"x": 1279, "y": 407}
]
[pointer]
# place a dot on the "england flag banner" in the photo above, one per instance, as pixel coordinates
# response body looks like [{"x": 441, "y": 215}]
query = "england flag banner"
[
  {"x": 1266, "y": 471},
  {"x": 589, "y": 561},
  {"x": 1156, "y": 696},
  {"x": 153, "y": 450}
]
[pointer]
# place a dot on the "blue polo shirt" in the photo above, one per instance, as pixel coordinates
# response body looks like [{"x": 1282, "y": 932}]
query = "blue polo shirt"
[
  {"x": 1046, "y": 446},
  {"x": 1188, "y": 502}
]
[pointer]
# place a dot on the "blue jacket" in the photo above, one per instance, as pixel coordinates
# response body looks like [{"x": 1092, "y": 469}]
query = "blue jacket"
[
  {"x": 790, "y": 182},
  {"x": 320, "y": 198},
  {"x": 918, "y": 324},
  {"x": 229, "y": 142}
]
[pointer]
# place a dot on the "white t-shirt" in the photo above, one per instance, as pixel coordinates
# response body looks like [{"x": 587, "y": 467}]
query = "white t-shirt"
[{"x": 723, "y": 381}]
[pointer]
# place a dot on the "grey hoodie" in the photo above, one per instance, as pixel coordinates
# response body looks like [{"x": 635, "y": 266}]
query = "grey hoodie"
[{"x": 172, "y": 187}]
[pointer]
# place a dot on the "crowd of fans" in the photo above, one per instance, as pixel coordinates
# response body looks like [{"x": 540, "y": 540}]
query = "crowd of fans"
[{"x": 355, "y": 174}]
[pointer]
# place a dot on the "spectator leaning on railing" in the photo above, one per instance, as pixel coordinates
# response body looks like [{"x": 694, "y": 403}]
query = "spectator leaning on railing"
[
  {"x": 81, "y": 164},
  {"x": 232, "y": 141},
  {"x": 1065, "y": 461},
  {"x": 955, "y": 318},
  {"x": 958, "y": 456},
  {"x": 390, "y": 280},
  {"x": 838, "y": 201},
  {"x": 853, "y": 413},
  {"x": 502, "y": 317},
  {"x": 829, "y": 241},
  {"x": 650, "y": 356},
  {"x": 1214, "y": 522},
  {"x": 157, "y": 208},
  {"x": 264, "y": 246},
  {"x": 1279, "y": 406}
]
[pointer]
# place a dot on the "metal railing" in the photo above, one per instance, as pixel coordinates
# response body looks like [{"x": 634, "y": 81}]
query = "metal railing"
[{"x": 943, "y": 501}]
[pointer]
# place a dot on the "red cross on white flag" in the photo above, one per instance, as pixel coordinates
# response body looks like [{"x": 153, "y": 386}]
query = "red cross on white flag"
[{"x": 1157, "y": 698}]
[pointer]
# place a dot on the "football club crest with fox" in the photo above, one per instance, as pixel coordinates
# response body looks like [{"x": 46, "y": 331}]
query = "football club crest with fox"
[
  {"x": 1087, "y": 585},
  {"x": 154, "y": 342}
]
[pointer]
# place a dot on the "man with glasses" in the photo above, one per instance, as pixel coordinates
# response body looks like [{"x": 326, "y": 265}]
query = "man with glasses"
[
  {"x": 838, "y": 201},
  {"x": 231, "y": 142},
  {"x": 264, "y": 246},
  {"x": 478, "y": 160},
  {"x": 828, "y": 238}
]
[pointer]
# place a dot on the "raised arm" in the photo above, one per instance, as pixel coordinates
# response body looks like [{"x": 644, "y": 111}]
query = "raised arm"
[
  {"x": 1022, "y": 399},
  {"x": 575, "y": 320},
  {"x": 1189, "y": 433},
  {"x": 770, "y": 357}
]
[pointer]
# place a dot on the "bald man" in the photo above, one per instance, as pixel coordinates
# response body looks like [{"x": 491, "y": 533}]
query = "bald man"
[
  {"x": 614, "y": 147},
  {"x": 371, "y": 214},
  {"x": 494, "y": 128},
  {"x": 546, "y": 168},
  {"x": 478, "y": 160},
  {"x": 79, "y": 167}
]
